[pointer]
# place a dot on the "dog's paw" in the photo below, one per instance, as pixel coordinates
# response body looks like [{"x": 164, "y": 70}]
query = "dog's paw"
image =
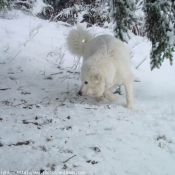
[
  {"x": 98, "y": 99},
  {"x": 111, "y": 97},
  {"x": 114, "y": 98},
  {"x": 129, "y": 106}
]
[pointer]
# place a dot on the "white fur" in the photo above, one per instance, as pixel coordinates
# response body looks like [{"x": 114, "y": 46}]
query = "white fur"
[
  {"x": 76, "y": 41},
  {"x": 106, "y": 63}
]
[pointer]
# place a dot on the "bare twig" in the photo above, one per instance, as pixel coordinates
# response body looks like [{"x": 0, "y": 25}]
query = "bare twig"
[
  {"x": 34, "y": 104},
  {"x": 50, "y": 53},
  {"x": 62, "y": 102},
  {"x": 3, "y": 89},
  {"x": 31, "y": 37},
  {"x": 69, "y": 159},
  {"x": 56, "y": 73},
  {"x": 76, "y": 63},
  {"x": 67, "y": 92},
  {"x": 7, "y": 49},
  {"x": 140, "y": 63},
  {"x": 19, "y": 104},
  {"x": 73, "y": 72},
  {"x": 15, "y": 56},
  {"x": 65, "y": 77},
  {"x": 91, "y": 108}
]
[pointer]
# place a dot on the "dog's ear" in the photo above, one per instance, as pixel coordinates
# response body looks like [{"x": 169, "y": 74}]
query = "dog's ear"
[{"x": 96, "y": 78}]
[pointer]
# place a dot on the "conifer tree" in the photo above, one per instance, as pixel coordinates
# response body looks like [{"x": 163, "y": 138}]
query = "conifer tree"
[
  {"x": 4, "y": 5},
  {"x": 160, "y": 29},
  {"x": 124, "y": 16}
]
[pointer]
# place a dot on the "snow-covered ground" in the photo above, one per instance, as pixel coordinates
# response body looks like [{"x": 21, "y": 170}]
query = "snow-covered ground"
[{"x": 45, "y": 127}]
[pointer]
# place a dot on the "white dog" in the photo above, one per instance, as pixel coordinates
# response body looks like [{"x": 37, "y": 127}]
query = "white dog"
[{"x": 106, "y": 63}]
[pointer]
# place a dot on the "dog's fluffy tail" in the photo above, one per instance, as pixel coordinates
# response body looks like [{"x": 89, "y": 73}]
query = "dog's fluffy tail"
[{"x": 76, "y": 40}]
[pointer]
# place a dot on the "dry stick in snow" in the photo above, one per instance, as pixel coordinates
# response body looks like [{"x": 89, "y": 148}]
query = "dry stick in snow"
[
  {"x": 50, "y": 53},
  {"x": 4, "y": 89},
  {"x": 31, "y": 37},
  {"x": 62, "y": 102},
  {"x": 7, "y": 49},
  {"x": 32, "y": 104},
  {"x": 15, "y": 56},
  {"x": 56, "y": 73},
  {"x": 20, "y": 104},
  {"x": 140, "y": 63},
  {"x": 69, "y": 159}
]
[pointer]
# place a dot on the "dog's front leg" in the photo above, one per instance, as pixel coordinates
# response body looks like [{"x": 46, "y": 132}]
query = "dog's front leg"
[{"x": 109, "y": 95}]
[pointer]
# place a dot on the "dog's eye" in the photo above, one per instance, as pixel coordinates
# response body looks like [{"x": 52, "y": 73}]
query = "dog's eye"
[{"x": 85, "y": 82}]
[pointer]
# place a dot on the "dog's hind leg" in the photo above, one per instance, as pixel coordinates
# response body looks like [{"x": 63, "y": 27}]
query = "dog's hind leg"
[
  {"x": 109, "y": 95},
  {"x": 128, "y": 88}
]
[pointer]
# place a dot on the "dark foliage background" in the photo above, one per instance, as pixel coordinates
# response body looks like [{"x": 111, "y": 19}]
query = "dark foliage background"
[{"x": 152, "y": 18}]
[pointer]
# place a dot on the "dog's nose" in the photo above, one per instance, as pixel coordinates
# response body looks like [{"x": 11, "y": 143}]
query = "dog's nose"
[{"x": 80, "y": 93}]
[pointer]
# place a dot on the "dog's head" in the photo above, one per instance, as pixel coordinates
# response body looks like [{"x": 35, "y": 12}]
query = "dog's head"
[{"x": 93, "y": 81}]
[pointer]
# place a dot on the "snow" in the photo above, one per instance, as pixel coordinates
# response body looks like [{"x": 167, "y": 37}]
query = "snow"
[
  {"x": 38, "y": 7},
  {"x": 43, "y": 122},
  {"x": 171, "y": 38}
]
